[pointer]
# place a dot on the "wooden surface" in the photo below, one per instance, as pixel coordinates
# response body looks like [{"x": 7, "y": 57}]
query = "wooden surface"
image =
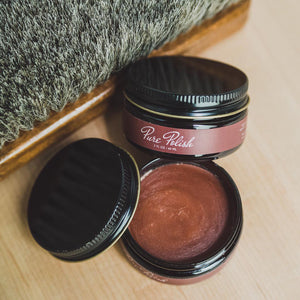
[
  {"x": 59, "y": 125},
  {"x": 266, "y": 263}
]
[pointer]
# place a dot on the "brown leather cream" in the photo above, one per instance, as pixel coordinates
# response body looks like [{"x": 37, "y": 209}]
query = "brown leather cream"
[
  {"x": 187, "y": 222},
  {"x": 181, "y": 212}
]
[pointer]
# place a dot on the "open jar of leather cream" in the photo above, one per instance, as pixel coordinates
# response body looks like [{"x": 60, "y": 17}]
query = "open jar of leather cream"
[
  {"x": 185, "y": 107},
  {"x": 188, "y": 221}
]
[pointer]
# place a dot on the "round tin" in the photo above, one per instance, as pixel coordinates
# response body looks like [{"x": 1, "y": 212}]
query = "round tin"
[
  {"x": 185, "y": 107},
  {"x": 204, "y": 265}
]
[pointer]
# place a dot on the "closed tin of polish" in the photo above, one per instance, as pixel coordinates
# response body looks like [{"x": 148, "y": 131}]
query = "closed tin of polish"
[{"x": 185, "y": 107}]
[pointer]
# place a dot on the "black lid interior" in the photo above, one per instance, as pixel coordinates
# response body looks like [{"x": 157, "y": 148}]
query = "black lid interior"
[
  {"x": 83, "y": 199},
  {"x": 182, "y": 85}
]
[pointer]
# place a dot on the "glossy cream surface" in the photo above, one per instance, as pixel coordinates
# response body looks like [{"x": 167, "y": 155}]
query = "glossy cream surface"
[{"x": 181, "y": 213}]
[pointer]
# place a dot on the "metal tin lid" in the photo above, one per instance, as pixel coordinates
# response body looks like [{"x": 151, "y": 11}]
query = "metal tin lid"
[
  {"x": 186, "y": 86},
  {"x": 84, "y": 199}
]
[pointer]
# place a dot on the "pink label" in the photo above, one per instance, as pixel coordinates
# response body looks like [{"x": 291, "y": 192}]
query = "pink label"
[{"x": 183, "y": 141}]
